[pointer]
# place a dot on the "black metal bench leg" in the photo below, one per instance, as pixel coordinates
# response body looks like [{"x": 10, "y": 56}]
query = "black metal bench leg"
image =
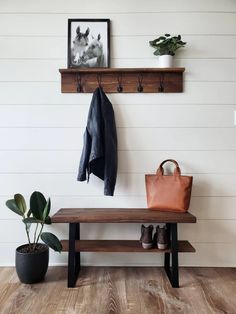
[
  {"x": 73, "y": 257},
  {"x": 167, "y": 255},
  {"x": 173, "y": 271},
  {"x": 174, "y": 256}
]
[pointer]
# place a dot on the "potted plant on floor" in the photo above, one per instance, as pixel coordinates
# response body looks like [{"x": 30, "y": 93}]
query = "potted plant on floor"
[
  {"x": 32, "y": 258},
  {"x": 165, "y": 47}
]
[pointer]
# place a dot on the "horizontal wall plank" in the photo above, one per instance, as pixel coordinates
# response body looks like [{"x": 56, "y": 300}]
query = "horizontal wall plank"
[
  {"x": 202, "y": 207},
  {"x": 19, "y": 234},
  {"x": 41, "y": 138},
  {"x": 30, "y": 70},
  {"x": 128, "y": 138},
  {"x": 204, "y": 231},
  {"x": 34, "y": 116},
  {"x": 127, "y": 184},
  {"x": 126, "y": 116},
  {"x": 47, "y": 70},
  {"x": 208, "y": 70},
  {"x": 128, "y": 51},
  {"x": 185, "y": 23},
  {"x": 176, "y": 139},
  {"x": 106, "y": 6},
  {"x": 220, "y": 162},
  {"x": 213, "y": 207},
  {"x": 217, "y": 93},
  {"x": 210, "y": 255},
  {"x": 212, "y": 231},
  {"x": 39, "y": 48}
]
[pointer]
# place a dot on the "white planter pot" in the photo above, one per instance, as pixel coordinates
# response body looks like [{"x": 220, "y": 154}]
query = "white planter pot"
[{"x": 165, "y": 61}]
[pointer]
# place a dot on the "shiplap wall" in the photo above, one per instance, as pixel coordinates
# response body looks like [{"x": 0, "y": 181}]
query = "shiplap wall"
[{"x": 41, "y": 129}]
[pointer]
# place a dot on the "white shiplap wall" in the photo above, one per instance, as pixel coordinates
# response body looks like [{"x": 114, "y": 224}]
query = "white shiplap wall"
[{"x": 41, "y": 129}]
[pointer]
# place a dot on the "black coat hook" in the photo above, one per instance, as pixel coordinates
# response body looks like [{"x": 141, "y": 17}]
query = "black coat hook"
[
  {"x": 99, "y": 80},
  {"x": 79, "y": 85},
  {"x": 161, "y": 86},
  {"x": 119, "y": 87},
  {"x": 140, "y": 80}
]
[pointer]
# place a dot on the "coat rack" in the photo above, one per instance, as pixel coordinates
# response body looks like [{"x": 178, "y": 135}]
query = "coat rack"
[{"x": 122, "y": 80}]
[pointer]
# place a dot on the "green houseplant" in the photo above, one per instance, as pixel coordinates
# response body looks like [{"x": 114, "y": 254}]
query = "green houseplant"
[
  {"x": 32, "y": 258},
  {"x": 165, "y": 48}
]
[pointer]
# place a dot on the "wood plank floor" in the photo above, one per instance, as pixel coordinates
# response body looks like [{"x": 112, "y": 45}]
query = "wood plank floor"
[{"x": 131, "y": 290}]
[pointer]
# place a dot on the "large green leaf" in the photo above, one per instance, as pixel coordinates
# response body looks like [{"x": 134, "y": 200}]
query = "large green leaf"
[
  {"x": 37, "y": 204},
  {"x": 52, "y": 241},
  {"x": 20, "y": 202},
  {"x": 11, "y": 204},
  {"x": 47, "y": 208}
]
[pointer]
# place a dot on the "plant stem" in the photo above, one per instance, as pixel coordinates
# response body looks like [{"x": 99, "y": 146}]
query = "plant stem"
[
  {"x": 35, "y": 232},
  {"x": 35, "y": 235},
  {"x": 28, "y": 237},
  {"x": 39, "y": 234}
]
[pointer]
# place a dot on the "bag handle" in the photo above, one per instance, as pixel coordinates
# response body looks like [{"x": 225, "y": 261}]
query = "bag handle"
[{"x": 160, "y": 170}]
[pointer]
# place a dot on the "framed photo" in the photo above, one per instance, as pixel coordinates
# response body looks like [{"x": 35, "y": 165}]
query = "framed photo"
[{"x": 88, "y": 43}]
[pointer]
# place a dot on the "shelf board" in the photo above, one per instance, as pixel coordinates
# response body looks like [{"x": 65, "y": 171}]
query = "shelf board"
[
  {"x": 121, "y": 70},
  {"x": 151, "y": 80},
  {"x": 120, "y": 215},
  {"x": 121, "y": 246}
]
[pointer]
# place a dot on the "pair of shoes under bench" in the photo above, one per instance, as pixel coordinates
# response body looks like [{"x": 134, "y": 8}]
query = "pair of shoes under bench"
[{"x": 159, "y": 240}]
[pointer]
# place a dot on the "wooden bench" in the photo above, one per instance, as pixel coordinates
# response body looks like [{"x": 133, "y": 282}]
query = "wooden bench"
[{"x": 75, "y": 216}]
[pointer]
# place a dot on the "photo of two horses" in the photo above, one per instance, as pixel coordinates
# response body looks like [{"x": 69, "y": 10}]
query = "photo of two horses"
[{"x": 87, "y": 49}]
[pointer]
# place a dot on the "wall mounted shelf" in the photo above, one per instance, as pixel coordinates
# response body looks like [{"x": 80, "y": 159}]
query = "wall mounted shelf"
[{"x": 122, "y": 80}]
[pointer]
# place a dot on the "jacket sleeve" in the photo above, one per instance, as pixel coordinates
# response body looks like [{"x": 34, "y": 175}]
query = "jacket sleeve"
[
  {"x": 84, "y": 160},
  {"x": 111, "y": 160}
]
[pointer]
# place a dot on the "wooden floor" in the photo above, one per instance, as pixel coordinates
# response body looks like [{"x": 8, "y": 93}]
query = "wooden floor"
[{"x": 130, "y": 290}]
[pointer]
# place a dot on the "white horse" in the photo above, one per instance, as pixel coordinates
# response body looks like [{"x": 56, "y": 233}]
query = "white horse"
[{"x": 80, "y": 44}]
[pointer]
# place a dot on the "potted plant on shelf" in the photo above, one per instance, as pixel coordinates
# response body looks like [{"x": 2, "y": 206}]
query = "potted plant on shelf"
[
  {"x": 165, "y": 47},
  {"x": 32, "y": 258}
]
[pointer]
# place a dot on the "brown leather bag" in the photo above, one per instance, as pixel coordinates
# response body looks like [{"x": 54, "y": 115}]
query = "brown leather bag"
[{"x": 168, "y": 193}]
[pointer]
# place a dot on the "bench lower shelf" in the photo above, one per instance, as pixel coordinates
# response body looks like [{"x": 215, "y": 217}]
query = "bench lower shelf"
[{"x": 121, "y": 246}]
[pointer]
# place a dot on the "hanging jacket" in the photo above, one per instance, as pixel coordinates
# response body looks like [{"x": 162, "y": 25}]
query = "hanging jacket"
[{"x": 99, "y": 155}]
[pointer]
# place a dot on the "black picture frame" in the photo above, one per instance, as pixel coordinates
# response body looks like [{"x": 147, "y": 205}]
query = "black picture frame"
[{"x": 88, "y": 43}]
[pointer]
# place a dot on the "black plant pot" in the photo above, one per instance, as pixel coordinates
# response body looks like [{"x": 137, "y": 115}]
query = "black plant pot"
[{"x": 32, "y": 267}]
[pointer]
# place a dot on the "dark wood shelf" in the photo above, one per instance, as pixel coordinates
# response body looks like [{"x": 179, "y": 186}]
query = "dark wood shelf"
[
  {"x": 121, "y": 70},
  {"x": 151, "y": 80},
  {"x": 119, "y": 215},
  {"x": 121, "y": 246}
]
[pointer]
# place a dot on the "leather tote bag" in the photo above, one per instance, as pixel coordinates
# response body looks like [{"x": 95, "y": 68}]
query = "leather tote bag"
[{"x": 168, "y": 192}]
